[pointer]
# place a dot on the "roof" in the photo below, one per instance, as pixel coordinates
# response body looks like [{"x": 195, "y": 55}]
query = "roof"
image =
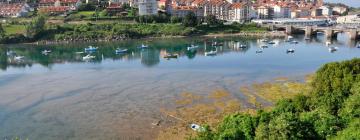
[
  {"x": 62, "y": 1},
  {"x": 55, "y": 9},
  {"x": 9, "y": 9}
]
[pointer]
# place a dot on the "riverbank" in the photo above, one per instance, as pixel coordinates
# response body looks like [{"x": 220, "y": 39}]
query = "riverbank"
[{"x": 68, "y": 33}]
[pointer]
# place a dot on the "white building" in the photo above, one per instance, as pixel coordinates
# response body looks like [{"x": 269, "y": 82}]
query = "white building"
[
  {"x": 240, "y": 12},
  {"x": 265, "y": 12},
  {"x": 326, "y": 10},
  {"x": 147, "y": 7},
  {"x": 350, "y": 19},
  {"x": 282, "y": 11}
]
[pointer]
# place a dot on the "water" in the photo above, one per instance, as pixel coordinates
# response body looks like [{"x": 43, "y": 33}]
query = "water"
[{"x": 60, "y": 96}]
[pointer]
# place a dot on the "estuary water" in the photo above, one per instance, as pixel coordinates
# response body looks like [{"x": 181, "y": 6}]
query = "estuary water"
[{"x": 117, "y": 96}]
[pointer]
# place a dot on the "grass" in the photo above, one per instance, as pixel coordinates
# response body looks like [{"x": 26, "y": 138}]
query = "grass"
[{"x": 14, "y": 29}]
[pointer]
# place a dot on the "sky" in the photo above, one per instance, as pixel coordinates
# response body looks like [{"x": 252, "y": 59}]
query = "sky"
[{"x": 352, "y": 3}]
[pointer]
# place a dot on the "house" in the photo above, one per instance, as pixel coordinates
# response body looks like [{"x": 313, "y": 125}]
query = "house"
[
  {"x": 114, "y": 8},
  {"x": 14, "y": 9},
  {"x": 182, "y": 11},
  {"x": 282, "y": 11},
  {"x": 240, "y": 12},
  {"x": 326, "y": 10},
  {"x": 58, "y": 6},
  {"x": 218, "y": 8},
  {"x": 350, "y": 19},
  {"x": 147, "y": 7},
  {"x": 339, "y": 10}
]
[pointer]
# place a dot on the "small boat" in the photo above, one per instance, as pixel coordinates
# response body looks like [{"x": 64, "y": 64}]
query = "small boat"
[
  {"x": 88, "y": 57},
  {"x": 10, "y": 53},
  {"x": 264, "y": 40},
  {"x": 90, "y": 49},
  {"x": 79, "y": 52},
  {"x": 196, "y": 127},
  {"x": 271, "y": 42},
  {"x": 143, "y": 46},
  {"x": 333, "y": 49},
  {"x": 259, "y": 51},
  {"x": 290, "y": 37},
  {"x": 169, "y": 56},
  {"x": 290, "y": 50},
  {"x": 264, "y": 46},
  {"x": 358, "y": 46},
  {"x": 192, "y": 47},
  {"x": 118, "y": 50},
  {"x": 19, "y": 57},
  {"x": 328, "y": 43},
  {"x": 307, "y": 38},
  {"x": 242, "y": 46},
  {"x": 45, "y": 52},
  {"x": 210, "y": 53},
  {"x": 294, "y": 42}
]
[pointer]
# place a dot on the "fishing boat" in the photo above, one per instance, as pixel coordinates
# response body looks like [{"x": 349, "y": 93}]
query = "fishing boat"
[
  {"x": 91, "y": 49},
  {"x": 333, "y": 49},
  {"x": 192, "y": 47},
  {"x": 118, "y": 50},
  {"x": 143, "y": 46},
  {"x": 210, "y": 53},
  {"x": 169, "y": 56},
  {"x": 45, "y": 52},
  {"x": 88, "y": 57},
  {"x": 259, "y": 51},
  {"x": 271, "y": 42},
  {"x": 290, "y": 50}
]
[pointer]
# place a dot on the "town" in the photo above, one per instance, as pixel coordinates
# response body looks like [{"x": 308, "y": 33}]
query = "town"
[{"x": 225, "y": 10}]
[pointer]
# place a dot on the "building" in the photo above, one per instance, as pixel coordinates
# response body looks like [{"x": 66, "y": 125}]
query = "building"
[
  {"x": 240, "y": 12},
  {"x": 182, "y": 11},
  {"x": 147, "y": 7},
  {"x": 326, "y": 10},
  {"x": 265, "y": 12},
  {"x": 14, "y": 9},
  {"x": 339, "y": 10},
  {"x": 282, "y": 11},
  {"x": 58, "y": 6},
  {"x": 350, "y": 20},
  {"x": 218, "y": 8}
]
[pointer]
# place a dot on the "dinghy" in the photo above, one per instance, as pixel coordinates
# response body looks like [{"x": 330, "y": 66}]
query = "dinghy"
[
  {"x": 169, "y": 56},
  {"x": 143, "y": 46},
  {"x": 118, "y": 51},
  {"x": 45, "y": 52},
  {"x": 290, "y": 50},
  {"x": 210, "y": 53},
  {"x": 91, "y": 49},
  {"x": 88, "y": 57},
  {"x": 192, "y": 47},
  {"x": 259, "y": 51},
  {"x": 333, "y": 49}
]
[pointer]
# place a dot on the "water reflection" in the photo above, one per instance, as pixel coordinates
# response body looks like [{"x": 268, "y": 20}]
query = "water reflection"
[{"x": 149, "y": 57}]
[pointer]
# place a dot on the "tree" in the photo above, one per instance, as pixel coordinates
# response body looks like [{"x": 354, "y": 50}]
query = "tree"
[
  {"x": 212, "y": 21},
  {"x": 2, "y": 32},
  {"x": 36, "y": 26},
  {"x": 190, "y": 20}
]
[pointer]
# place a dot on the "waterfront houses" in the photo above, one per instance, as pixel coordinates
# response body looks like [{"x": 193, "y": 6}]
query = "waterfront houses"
[
  {"x": 14, "y": 9},
  {"x": 58, "y": 6}
]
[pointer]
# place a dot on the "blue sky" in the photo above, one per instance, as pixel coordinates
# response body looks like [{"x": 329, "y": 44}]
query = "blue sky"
[{"x": 352, "y": 3}]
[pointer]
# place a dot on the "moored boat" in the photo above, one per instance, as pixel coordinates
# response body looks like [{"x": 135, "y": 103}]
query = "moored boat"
[{"x": 91, "y": 48}]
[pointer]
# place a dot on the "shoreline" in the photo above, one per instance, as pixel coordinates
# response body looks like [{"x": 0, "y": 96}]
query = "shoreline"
[{"x": 278, "y": 34}]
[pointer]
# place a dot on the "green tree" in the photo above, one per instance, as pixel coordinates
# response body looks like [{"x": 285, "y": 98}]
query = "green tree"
[
  {"x": 36, "y": 26},
  {"x": 212, "y": 21},
  {"x": 2, "y": 32},
  {"x": 190, "y": 20}
]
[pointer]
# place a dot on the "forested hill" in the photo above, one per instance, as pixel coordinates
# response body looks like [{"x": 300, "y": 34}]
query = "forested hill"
[{"x": 330, "y": 111}]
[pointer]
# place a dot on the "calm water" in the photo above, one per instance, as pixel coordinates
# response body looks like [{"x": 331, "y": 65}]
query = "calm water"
[{"x": 60, "y": 96}]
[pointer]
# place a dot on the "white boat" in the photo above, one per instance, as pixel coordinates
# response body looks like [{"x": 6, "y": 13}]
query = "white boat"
[
  {"x": 264, "y": 40},
  {"x": 143, "y": 46},
  {"x": 290, "y": 50},
  {"x": 242, "y": 46},
  {"x": 196, "y": 127},
  {"x": 192, "y": 47},
  {"x": 290, "y": 37},
  {"x": 333, "y": 49},
  {"x": 307, "y": 38},
  {"x": 294, "y": 42},
  {"x": 91, "y": 48},
  {"x": 19, "y": 57},
  {"x": 118, "y": 50},
  {"x": 259, "y": 51},
  {"x": 358, "y": 46},
  {"x": 45, "y": 52},
  {"x": 79, "y": 52},
  {"x": 88, "y": 57},
  {"x": 210, "y": 53},
  {"x": 169, "y": 56},
  {"x": 328, "y": 43}
]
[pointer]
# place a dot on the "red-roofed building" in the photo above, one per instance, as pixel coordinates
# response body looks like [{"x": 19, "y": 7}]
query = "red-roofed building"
[
  {"x": 240, "y": 12},
  {"x": 58, "y": 6},
  {"x": 14, "y": 9}
]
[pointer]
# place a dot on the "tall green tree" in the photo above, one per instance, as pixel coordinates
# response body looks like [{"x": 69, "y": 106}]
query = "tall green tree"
[
  {"x": 190, "y": 20},
  {"x": 212, "y": 21},
  {"x": 36, "y": 26}
]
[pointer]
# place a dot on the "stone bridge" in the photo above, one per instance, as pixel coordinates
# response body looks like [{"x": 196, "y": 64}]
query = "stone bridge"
[{"x": 329, "y": 32}]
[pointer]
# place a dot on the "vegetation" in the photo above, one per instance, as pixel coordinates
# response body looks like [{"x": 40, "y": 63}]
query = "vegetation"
[{"x": 330, "y": 110}]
